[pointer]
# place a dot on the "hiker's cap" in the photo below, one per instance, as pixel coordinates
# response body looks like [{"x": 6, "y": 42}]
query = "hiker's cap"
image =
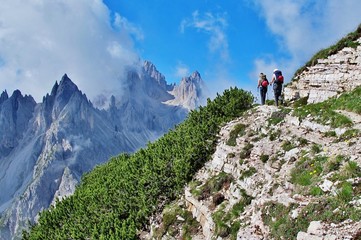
[{"x": 275, "y": 70}]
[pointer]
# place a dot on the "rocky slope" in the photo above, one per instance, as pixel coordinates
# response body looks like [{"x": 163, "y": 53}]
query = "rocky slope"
[
  {"x": 281, "y": 173},
  {"x": 259, "y": 187}
]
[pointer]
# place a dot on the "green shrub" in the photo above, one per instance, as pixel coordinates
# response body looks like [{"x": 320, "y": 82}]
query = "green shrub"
[
  {"x": 330, "y": 134},
  {"x": 248, "y": 173},
  {"x": 215, "y": 184},
  {"x": 303, "y": 142},
  {"x": 287, "y": 145},
  {"x": 278, "y": 116},
  {"x": 316, "y": 148},
  {"x": 264, "y": 158},
  {"x": 275, "y": 135},
  {"x": 246, "y": 151},
  {"x": 226, "y": 223},
  {"x": 345, "y": 194},
  {"x": 237, "y": 131},
  {"x": 316, "y": 191}
]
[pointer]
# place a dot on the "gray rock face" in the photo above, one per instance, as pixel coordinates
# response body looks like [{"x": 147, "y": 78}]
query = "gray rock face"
[
  {"x": 190, "y": 92},
  {"x": 45, "y": 148},
  {"x": 15, "y": 113}
]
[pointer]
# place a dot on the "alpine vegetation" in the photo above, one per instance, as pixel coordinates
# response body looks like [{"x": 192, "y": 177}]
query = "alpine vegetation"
[{"x": 116, "y": 199}]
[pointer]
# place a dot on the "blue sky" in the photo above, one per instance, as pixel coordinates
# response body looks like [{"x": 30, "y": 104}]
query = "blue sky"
[{"x": 228, "y": 41}]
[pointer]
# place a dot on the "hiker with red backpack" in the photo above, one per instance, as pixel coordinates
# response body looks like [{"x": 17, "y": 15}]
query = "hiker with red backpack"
[
  {"x": 263, "y": 85},
  {"x": 277, "y": 81}
]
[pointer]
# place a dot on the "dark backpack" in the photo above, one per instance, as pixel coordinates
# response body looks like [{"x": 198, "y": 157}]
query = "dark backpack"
[
  {"x": 264, "y": 83},
  {"x": 279, "y": 78}
]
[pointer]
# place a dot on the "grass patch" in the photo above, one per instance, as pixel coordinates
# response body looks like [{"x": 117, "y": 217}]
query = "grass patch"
[
  {"x": 302, "y": 141},
  {"x": 316, "y": 148},
  {"x": 227, "y": 223},
  {"x": 316, "y": 191},
  {"x": 246, "y": 151},
  {"x": 349, "y": 170},
  {"x": 215, "y": 184},
  {"x": 171, "y": 223},
  {"x": 330, "y": 134},
  {"x": 349, "y": 134},
  {"x": 275, "y": 135},
  {"x": 278, "y": 116},
  {"x": 324, "y": 112},
  {"x": 307, "y": 170},
  {"x": 278, "y": 218},
  {"x": 247, "y": 173},
  {"x": 264, "y": 158},
  {"x": 287, "y": 145},
  {"x": 238, "y": 131},
  {"x": 300, "y": 102}
]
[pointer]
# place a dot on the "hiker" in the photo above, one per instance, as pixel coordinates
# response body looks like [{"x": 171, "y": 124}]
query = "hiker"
[
  {"x": 263, "y": 86},
  {"x": 277, "y": 81}
]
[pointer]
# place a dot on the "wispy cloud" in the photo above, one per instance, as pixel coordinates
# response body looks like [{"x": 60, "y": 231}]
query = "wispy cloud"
[
  {"x": 304, "y": 27},
  {"x": 181, "y": 70},
  {"x": 123, "y": 24},
  {"x": 214, "y": 25},
  {"x": 42, "y": 40}
]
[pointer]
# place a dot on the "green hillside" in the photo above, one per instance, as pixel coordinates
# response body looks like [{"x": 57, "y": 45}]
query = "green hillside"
[{"x": 115, "y": 200}]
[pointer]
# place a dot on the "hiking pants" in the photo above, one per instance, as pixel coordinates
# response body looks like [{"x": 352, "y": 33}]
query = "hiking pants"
[
  {"x": 263, "y": 92},
  {"x": 277, "y": 88}
]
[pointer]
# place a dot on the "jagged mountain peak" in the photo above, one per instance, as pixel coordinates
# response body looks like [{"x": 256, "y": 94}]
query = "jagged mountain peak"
[
  {"x": 66, "y": 85},
  {"x": 194, "y": 78},
  {"x": 16, "y": 94},
  {"x": 152, "y": 71},
  {"x": 190, "y": 92},
  {"x": 4, "y": 96},
  {"x": 196, "y": 75}
]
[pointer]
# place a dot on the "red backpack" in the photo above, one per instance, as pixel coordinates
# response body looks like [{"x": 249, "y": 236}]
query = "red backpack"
[
  {"x": 279, "y": 77},
  {"x": 264, "y": 83}
]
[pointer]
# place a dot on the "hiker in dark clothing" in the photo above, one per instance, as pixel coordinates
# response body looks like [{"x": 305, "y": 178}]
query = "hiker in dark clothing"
[
  {"x": 277, "y": 81},
  {"x": 263, "y": 85}
]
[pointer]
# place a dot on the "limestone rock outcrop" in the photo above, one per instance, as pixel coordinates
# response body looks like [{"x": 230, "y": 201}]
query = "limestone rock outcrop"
[{"x": 338, "y": 73}]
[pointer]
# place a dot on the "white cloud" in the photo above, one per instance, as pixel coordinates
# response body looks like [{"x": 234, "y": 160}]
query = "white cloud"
[
  {"x": 181, "y": 70},
  {"x": 41, "y": 40},
  {"x": 215, "y": 26},
  {"x": 123, "y": 23},
  {"x": 305, "y": 27}
]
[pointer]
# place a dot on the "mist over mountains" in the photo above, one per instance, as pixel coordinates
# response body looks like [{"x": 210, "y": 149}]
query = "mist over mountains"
[{"x": 46, "y": 147}]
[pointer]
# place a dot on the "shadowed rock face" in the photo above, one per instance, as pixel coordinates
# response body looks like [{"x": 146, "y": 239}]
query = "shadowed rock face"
[
  {"x": 45, "y": 148},
  {"x": 15, "y": 113}
]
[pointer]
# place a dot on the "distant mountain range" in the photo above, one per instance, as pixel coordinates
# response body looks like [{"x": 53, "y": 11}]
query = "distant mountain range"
[{"x": 46, "y": 147}]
